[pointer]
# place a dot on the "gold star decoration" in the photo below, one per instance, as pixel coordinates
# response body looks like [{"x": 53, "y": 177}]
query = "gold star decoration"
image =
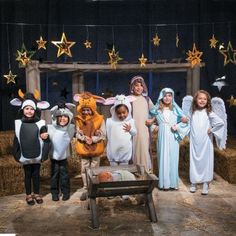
[
  {"x": 143, "y": 61},
  {"x": 229, "y": 54},
  {"x": 63, "y": 46},
  {"x": 177, "y": 40},
  {"x": 194, "y": 56},
  {"x": 156, "y": 40},
  {"x": 41, "y": 43},
  {"x": 113, "y": 57},
  {"x": 213, "y": 41},
  {"x": 10, "y": 77},
  {"x": 232, "y": 101},
  {"x": 88, "y": 44},
  {"x": 24, "y": 56}
]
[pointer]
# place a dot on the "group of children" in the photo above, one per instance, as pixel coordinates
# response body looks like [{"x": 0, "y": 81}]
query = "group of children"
[{"x": 126, "y": 136}]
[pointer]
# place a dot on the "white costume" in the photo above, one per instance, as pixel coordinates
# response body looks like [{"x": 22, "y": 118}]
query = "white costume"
[{"x": 119, "y": 146}]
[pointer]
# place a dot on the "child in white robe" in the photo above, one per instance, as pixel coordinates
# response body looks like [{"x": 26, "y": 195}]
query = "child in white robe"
[
  {"x": 120, "y": 130},
  {"x": 203, "y": 124}
]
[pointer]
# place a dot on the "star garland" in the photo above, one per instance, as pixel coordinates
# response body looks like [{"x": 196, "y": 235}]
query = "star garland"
[
  {"x": 23, "y": 56},
  {"x": 10, "y": 77},
  {"x": 88, "y": 44},
  {"x": 41, "y": 43},
  {"x": 232, "y": 101},
  {"x": 63, "y": 46},
  {"x": 156, "y": 40},
  {"x": 142, "y": 61},
  {"x": 194, "y": 56},
  {"x": 113, "y": 58},
  {"x": 213, "y": 41},
  {"x": 229, "y": 54}
]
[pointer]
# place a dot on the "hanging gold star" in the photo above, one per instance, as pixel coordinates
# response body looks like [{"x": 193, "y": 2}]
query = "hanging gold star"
[
  {"x": 156, "y": 40},
  {"x": 177, "y": 40},
  {"x": 63, "y": 46},
  {"x": 232, "y": 101},
  {"x": 41, "y": 43},
  {"x": 229, "y": 54},
  {"x": 213, "y": 41},
  {"x": 24, "y": 56},
  {"x": 88, "y": 44},
  {"x": 10, "y": 77},
  {"x": 194, "y": 56},
  {"x": 113, "y": 57},
  {"x": 143, "y": 61}
]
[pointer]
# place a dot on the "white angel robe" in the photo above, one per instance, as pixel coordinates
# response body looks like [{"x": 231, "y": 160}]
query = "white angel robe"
[{"x": 201, "y": 144}]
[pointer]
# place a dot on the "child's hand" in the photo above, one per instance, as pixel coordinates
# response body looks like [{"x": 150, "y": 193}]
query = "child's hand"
[
  {"x": 44, "y": 136},
  {"x": 149, "y": 122},
  {"x": 209, "y": 131},
  {"x": 127, "y": 127},
  {"x": 184, "y": 119},
  {"x": 174, "y": 128},
  {"x": 88, "y": 140}
]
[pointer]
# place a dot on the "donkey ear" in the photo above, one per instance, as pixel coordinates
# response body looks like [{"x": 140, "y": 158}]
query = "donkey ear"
[
  {"x": 54, "y": 108},
  {"x": 76, "y": 97},
  {"x": 43, "y": 105},
  {"x": 110, "y": 101},
  {"x": 98, "y": 98},
  {"x": 16, "y": 102},
  {"x": 131, "y": 98},
  {"x": 70, "y": 105}
]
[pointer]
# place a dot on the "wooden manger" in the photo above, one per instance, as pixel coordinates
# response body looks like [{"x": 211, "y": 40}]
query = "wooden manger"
[{"x": 144, "y": 184}]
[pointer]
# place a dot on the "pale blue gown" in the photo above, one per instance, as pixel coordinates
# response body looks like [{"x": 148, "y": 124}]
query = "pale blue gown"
[{"x": 168, "y": 141}]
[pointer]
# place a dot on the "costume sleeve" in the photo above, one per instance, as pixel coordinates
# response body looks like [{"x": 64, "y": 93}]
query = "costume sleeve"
[
  {"x": 150, "y": 104},
  {"x": 79, "y": 135},
  {"x": 133, "y": 130},
  {"x": 102, "y": 135},
  {"x": 182, "y": 130},
  {"x": 46, "y": 149},
  {"x": 16, "y": 149}
]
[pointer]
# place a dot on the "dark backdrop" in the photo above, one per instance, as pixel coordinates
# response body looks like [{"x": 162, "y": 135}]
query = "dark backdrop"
[{"x": 133, "y": 27}]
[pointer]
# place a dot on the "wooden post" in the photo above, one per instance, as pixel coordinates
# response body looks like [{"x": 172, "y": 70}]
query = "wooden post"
[
  {"x": 77, "y": 82},
  {"x": 189, "y": 81},
  {"x": 33, "y": 77},
  {"x": 195, "y": 79}
]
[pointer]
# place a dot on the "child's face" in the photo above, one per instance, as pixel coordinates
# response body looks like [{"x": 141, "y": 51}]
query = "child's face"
[
  {"x": 86, "y": 111},
  {"x": 62, "y": 120},
  {"x": 138, "y": 88},
  {"x": 201, "y": 100},
  {"x": 167, "y": 99},
  {"x": 28, "y": 111},
  {"x": 122, "y": 113}
]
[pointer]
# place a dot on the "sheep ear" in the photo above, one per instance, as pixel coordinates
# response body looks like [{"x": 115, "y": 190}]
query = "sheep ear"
[
  {"x": 131, "y": 98},
  {"x": 76, "y": 97},
  {"x": 43, "y": 105},
  {"x": 110, "y": 101},
  {"x": 16, "y": 102}
]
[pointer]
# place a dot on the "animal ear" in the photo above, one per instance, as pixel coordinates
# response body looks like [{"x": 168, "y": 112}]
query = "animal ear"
[
  {"x": 16, "y": 102},
  {"x": 98, "y": 98},
  {"x": 21, "y": 94},
  {"x": 76, "y": 97},
  {"x": 43, "y": 105},
  {"x": 54, "y": 108},
  {"x": 110, "y": 101},
  {"x": 70, "y": 105},
  {"x": 36, "y": 94},
  {"x": 131, "y": 98}
]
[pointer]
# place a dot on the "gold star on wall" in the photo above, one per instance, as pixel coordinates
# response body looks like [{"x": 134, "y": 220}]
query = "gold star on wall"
[
  {"x": 143, "y": 61},
  {"x": 24, "y": 56},
  {"x": 63, "y": 46},
  {"x": 232, "y": 101},
  {"x": 177, "y": 40},
  {"x": 194, "y": 56},
  {"x": 113, "y": 58},
  {"x": 10, "y": 77},
  {"x": 88, "y": 44},
  {"x": 41, "y": 43},
  {"x": 213, "y": 41},
  {"x": 156, "y": 40},
  {"x": 229, "y": 54}
]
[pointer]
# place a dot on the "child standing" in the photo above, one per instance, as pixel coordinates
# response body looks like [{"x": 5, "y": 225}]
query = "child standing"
[
  {"x": 61, "y": 131},
  {"x": 90, "y": 134},
  {"x": 203, "y": 124},
  {"x": 140, "y": 109},
  {"x": 120, "y": 130},
  {"x": 31, "y": 143},
  {"x": 168, "y": 115}
]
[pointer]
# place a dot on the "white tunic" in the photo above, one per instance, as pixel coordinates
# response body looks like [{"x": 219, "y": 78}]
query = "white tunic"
[{"x": 201, "y": 145}]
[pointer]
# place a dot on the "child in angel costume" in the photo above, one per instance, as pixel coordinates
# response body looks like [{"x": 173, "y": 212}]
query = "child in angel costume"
[
  {"x": 90, "y": 133},
  {"x": 61, "y": 132},
  {"x": 31, "y": 144},
  {"x": 172, "y": 127},
  {"x": 120, "y": 130},
  {"x": 140, "y": 110},
  {"x": 207, "y": 118}
]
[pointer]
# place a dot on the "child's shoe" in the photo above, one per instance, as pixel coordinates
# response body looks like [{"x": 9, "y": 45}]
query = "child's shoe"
[
  {"x": 55, "y": 197},
  {"x": 29, "y": 199},
  {"x": 83, "y": 196},
  {"x": 205, "y": 188},
  {"x": 65, "y": 197},
  {"x": 38, "y": 199},
  {"x": 192, "y": 189}
]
